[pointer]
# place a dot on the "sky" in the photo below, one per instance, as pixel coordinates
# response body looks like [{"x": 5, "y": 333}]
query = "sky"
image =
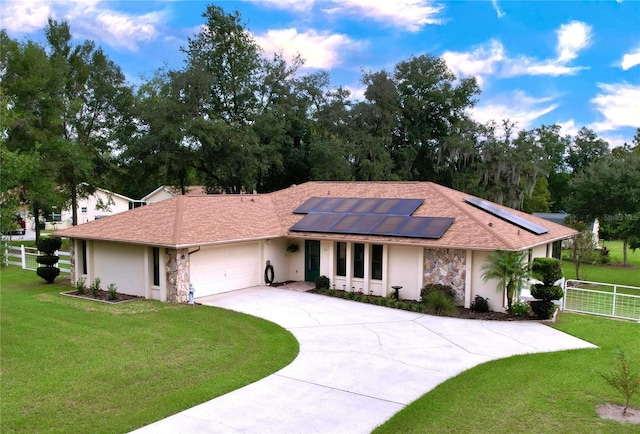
[{"x": 573, "y": 63}]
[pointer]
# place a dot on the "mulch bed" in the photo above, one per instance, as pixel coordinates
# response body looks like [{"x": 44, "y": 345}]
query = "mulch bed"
[
  {"x": 102, "y": 296},
  {"x": 461, "y": 313}
]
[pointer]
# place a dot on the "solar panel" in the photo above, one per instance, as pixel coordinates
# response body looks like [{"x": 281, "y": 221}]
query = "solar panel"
[
  {"x": 506, "y": 216},
  {"x": 370, "y": 224},
  {"x": 351, "y": 205}
]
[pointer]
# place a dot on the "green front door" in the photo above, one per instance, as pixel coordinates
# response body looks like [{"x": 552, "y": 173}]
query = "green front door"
[{"x": 311, "y": 260}]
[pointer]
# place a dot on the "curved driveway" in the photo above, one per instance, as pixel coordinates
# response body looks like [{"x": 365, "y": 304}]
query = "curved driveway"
[{"x": 358, "y": 364}]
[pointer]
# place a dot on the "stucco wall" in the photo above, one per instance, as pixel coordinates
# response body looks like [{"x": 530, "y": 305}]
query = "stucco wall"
[
  {"x": 446, "y": 267},
  {"x": 295, "y": 261},
  {"x": 405, "y": 269},
  {"x": 482, "y": 288},
  {"x": 275, "y": 251},
  {"x": 118, "y": 263}
]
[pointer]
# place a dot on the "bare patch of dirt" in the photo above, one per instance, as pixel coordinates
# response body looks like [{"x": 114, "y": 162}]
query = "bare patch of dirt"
[{"x": 614, "y": 412}]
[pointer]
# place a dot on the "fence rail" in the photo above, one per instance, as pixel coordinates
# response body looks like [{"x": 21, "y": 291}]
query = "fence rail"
[
  {"x": 25, "y": 257},
  {"x": 596, "y": 298}
]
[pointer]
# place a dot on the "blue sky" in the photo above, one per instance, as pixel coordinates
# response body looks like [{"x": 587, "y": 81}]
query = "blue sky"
[{"x": 575, "y": 63}]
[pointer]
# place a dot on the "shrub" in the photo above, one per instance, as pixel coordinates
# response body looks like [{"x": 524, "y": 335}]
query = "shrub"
[
  {"x": 48, "y": 273},
  {"x": 543, "y": 309},
  {"x": 439, "y": 303},
  {"x": 547, "y": 270},
  {"x": 49, "y": 245},
  {"x": 520, "y": 309},
  {"x": 323, "y": 282},
  {"x": 47, "y": 260},
  {"x": 546, "y": 293},
  {"x": 436, "y": 287},
  {"x": 81, "y": 285},
  {"x": 95, "y": 287},
  {"x": 624, "y": 380},
  {"x": 480, "y": 304},
  {"x": 113, "y": 291}
]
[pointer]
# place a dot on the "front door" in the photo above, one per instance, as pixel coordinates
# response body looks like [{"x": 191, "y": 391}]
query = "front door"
[{"x": 311, "y": 260}]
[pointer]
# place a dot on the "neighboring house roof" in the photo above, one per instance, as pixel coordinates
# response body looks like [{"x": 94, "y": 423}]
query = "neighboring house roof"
[
  {"x": 192, "y": 190},
  {"x": 185, "y": 221},
  {"x": 556, "y": 217}
]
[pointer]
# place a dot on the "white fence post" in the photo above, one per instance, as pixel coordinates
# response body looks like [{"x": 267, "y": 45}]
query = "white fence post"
[{"x": 24, "y": 257}]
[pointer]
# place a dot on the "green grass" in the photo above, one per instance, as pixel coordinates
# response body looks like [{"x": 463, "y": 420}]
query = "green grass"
[
  {"x": 614, "y": 272},
  {"x": 542, "y": 393},
  {"x": 77, "y": 366}
]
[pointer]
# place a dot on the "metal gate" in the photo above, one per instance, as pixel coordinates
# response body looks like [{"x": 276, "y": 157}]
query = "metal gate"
[{"x": 617, "y": 301}]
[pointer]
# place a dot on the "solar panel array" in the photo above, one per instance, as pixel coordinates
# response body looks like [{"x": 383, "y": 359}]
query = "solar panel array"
[
  {"x": 352, "y": 205},
  {"x": 506, "y": 216},
  {"x": 369, "y": 216}
]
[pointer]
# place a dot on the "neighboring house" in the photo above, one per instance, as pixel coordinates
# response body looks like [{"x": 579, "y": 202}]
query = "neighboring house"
[
  {"x": 165, "y": 192},
  {"x": 100, "y": 204},
  {"x": 561, "y": 219},
  {"x": 364, "y": 236}
]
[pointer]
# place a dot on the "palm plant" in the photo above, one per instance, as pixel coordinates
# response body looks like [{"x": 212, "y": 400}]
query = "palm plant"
[{"x": 511, "y": 269}]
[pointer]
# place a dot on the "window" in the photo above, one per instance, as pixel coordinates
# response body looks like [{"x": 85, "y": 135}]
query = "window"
[
  {"x": 136, "y": 204},
  {"x": 376, "y": 262},
  {"x": 358, "y": 260},
  {"x": 83, "y": 210},
  {"x": 84, "y": 257},
  {"x": 156, "y": 266},
  {"x": 341, "y": 259},
  {"x": 56, "y": 217}
]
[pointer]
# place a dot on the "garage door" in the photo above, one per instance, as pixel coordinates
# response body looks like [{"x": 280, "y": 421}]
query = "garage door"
[{"x": 225, "y": 268}]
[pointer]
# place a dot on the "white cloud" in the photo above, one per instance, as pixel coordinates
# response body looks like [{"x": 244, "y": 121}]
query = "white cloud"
[
  {"x": 619, "y": 104},
  {"x": 568, "y": 128},
  {"x": 319, "y": 49},
  {"x": 572, "y": 38},
  {"x": 492, "y": 59},
  {"x": 631, "y": 59},
  {"x": 296, "y": 5},
  {"x": 24, "y": 16},
  {"x": 496, "y": 6},
  {"x": 517, "y": 107},
  {"x": 89, "y": 19},
  {"x": 481, "y": 61},
  {"x": 411, "y": 15}
]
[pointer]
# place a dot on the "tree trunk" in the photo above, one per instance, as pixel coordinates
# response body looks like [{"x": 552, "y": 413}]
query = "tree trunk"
[
  {"x": 36, "y": 218},
  {"x": 74, "y": 204},
  {"x": 624, "y": 252}
]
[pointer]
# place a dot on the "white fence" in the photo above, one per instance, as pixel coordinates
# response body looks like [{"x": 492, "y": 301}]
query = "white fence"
[
  {"x": 25, "y": 257},
  {"x": 617, "y": 301}
]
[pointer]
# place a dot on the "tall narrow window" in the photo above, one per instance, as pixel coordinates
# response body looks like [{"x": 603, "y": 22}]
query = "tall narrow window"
[
  {"x": 84, "y": 257},
  {"x": 376, "y": 261},
  {"x": 156, "y": 266},
  {"x": 358, "y": 260},
  {"x": 341, "y": 259}
]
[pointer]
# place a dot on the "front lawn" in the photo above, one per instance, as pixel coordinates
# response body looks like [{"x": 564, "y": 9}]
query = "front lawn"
[
  {"x": 71, "y": 365},
  {"x": 544, "y": 393},
  {"x": 614, "y": 272}
]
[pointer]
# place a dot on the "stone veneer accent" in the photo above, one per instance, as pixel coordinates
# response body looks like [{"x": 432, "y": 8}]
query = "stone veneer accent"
[
  {"x": 446, "y": 267},
  {"x": 177, "y": 268}
]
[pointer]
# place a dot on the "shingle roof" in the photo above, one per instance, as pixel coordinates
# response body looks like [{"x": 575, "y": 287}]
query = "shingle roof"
[{"x": 185, "y": 221}]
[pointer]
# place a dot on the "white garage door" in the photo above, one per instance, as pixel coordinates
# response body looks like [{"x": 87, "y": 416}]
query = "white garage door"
[{"x": 225, "y": 268}]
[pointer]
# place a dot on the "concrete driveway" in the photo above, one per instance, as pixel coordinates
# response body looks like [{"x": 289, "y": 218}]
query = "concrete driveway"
[{"x": 358, "y": 364}]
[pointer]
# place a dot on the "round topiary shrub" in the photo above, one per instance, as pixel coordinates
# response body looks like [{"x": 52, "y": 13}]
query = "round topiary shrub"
[
  {"x": 547, "y": 270},
  {"x": 47, "y": 260},
  {"x": 323, "y": 282},
  {"x": 546, "y": 293},
  {"x": 48, "y": 246},
  {"x": 48, "y": 273},
  {"x": 543, "y": 309}
]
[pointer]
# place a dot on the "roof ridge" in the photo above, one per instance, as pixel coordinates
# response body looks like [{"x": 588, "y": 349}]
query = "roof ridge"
[
  {"x": 469, "y": 214},
  {"x": 177, "y": 222}
]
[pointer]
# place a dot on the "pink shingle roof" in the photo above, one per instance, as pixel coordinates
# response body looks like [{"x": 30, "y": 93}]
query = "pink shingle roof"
[{"x": 185, "y": 221}]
